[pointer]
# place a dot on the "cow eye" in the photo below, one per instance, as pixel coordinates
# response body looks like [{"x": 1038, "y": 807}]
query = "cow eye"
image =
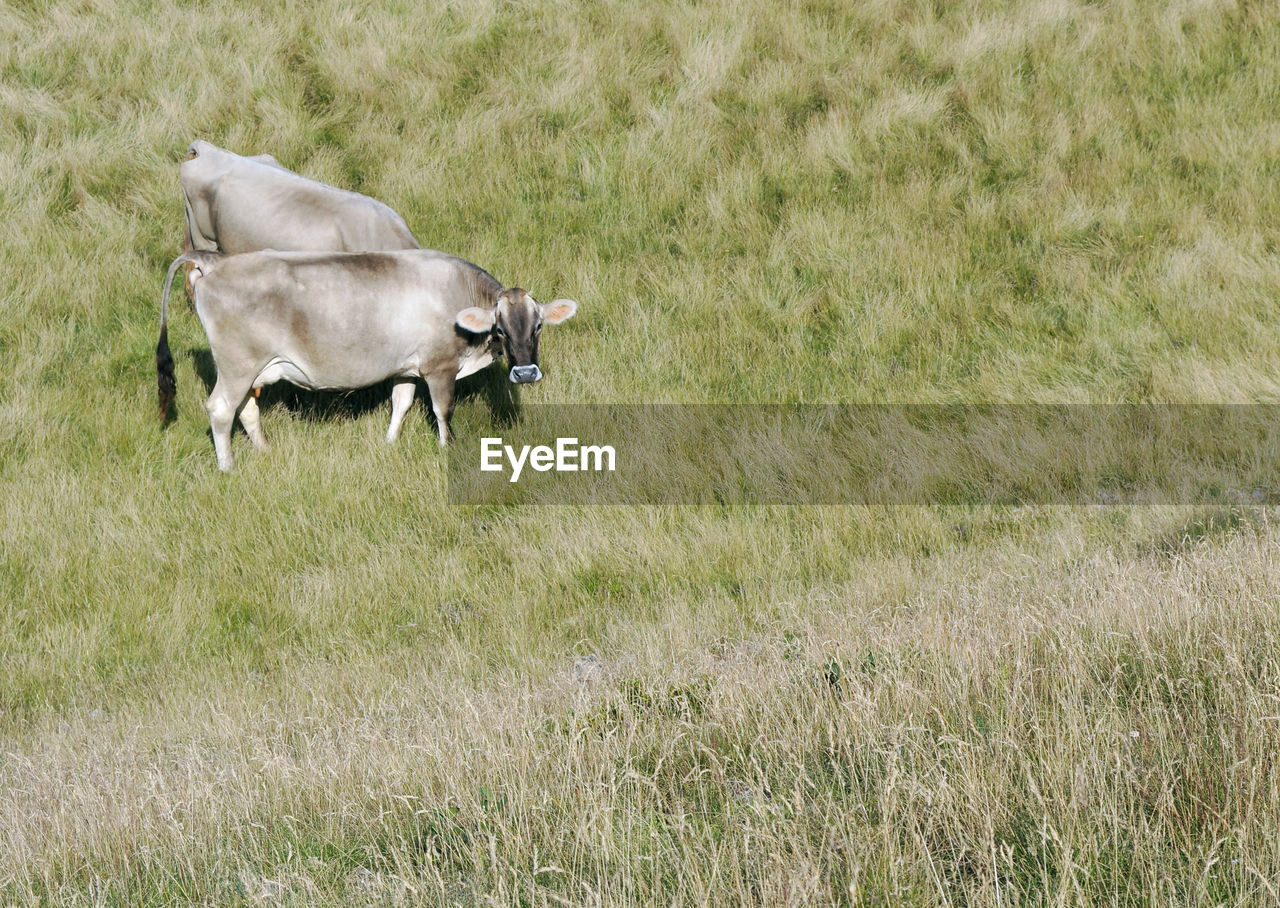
[
  {"x": 538, "y": 328},
  {"x": 498, "y": 332}
]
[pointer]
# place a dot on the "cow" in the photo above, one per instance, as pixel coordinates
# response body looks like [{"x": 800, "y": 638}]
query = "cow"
[
  {"x": 237, "y": 203},
  {"x": 242, "y": 204},
  {"x": 333, "y": 320}
]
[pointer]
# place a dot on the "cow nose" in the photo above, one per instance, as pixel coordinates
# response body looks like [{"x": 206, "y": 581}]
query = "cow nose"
[{"x": 522, "y": 374}]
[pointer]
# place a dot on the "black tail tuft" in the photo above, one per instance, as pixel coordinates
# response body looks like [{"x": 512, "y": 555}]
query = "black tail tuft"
[{"x": 167, "y": 382}]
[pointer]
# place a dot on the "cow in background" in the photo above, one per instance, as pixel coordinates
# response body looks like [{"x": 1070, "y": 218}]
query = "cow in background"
[{"x": 242, "y": 204}]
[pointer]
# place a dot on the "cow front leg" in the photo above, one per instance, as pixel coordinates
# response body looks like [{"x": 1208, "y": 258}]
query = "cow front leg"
[
  {"x": 252, "y": 422},
  {"x": 401, "y": 399},
  {"x": 441, "y": 387}
]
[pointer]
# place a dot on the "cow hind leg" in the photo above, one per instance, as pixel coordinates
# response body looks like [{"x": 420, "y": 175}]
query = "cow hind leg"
[
  {"x": 252, "y": 422},
  {"x": 222, "y": 406},
  {"x": 441, "y": 388},
  {"x": 401, "y": 399}
]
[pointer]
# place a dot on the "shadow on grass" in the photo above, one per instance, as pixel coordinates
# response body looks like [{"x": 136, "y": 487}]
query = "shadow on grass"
[{"x": 490, "y": 384}]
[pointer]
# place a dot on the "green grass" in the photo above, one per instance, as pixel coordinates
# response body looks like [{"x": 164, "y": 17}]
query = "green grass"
[{"x": 314, "y": 681}]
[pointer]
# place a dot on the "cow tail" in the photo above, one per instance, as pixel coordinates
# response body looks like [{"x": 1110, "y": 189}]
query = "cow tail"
[{"x": 166, "y": 380}]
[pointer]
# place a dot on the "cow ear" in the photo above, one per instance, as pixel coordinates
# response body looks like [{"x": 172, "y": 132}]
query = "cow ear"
[
  {"x": 556, "y": 311},
  {"x": 475, "y": 319}
]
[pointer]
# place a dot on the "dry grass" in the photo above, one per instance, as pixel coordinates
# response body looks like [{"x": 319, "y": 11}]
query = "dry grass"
[
  {"x": 1054, "y": 726},
  {"x": 315, "y": 681}
]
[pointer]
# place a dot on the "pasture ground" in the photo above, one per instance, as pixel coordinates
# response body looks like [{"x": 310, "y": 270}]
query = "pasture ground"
[{"x": 314, "y": 681}]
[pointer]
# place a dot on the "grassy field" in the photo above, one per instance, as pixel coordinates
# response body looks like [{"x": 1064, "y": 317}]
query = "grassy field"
[{"x": 315, "y": 681}]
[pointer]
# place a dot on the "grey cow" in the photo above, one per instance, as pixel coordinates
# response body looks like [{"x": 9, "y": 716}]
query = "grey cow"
[
  {"x": 238, "y": 203},
  {"x": 243, "y": 204},
  {"x": 348, "y": 320}
]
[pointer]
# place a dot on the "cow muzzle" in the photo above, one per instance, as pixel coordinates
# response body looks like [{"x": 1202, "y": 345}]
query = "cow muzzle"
[{"x": 524, "y": 374}]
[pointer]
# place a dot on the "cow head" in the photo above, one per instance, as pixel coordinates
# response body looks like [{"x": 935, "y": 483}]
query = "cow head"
[{"x": 514, "y": 324}]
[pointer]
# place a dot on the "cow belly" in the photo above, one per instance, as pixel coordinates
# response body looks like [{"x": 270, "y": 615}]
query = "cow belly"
[
  {"x": 282, "y": 369},
  {"x": 332, "y": 378}
]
